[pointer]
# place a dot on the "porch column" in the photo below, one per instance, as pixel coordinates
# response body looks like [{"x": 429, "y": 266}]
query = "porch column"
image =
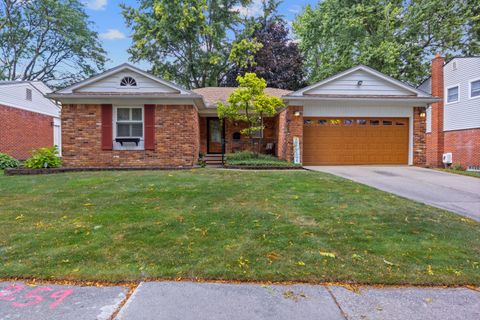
[{"x": 289, "y": 126}]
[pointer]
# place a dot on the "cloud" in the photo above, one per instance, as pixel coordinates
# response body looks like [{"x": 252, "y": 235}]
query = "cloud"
[
  {"x": 253, "y": 10},
  {"x": 112, "y": 34},
  {"x": 295, "y": 9},
  {"x": 96, "y": 4}
]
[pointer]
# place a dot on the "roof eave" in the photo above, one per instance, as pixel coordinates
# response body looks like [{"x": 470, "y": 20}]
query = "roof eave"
[{"x": 353, "y": 98}]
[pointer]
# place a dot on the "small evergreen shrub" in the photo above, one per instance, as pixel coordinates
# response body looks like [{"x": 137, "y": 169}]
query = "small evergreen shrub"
[
  {"x": 8, "y": 162},
  {"x": 248, "y": 158},
  {"x": 44, "y": 158}
]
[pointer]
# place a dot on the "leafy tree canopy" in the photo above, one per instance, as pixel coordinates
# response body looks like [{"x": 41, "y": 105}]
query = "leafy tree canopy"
[
  {"x": 47, "y": 40},
  {"x": 188, "y": 41},
  {"x": 277, "y": 59},
  {"x": 397, "y": 37},
  {"x": 249, "y": 103}
]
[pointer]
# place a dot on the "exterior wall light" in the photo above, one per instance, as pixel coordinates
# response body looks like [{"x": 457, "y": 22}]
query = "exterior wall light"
[
  {"x": 422, "y": 114},
  {"x": 297, "y": 113}
]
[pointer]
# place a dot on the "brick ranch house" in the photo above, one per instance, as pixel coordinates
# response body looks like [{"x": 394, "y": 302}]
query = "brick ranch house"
[
  {"x": 453, "y": 123},
  {"x": 127, "y": 117},
  {"x": 29, "y": 120}
]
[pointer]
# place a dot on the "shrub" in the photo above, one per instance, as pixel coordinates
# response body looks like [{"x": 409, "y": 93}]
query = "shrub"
[
  {"x": 8, "y": 162},
  {"x": 247, "y": 158},
  {"x": 44, "y": 158}
]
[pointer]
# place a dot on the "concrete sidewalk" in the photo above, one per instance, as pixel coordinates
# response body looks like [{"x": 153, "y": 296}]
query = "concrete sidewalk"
[{"x": 212, "y": 301}]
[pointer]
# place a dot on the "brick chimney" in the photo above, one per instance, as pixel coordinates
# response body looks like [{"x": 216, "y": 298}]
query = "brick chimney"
[{"x": 435, "y": 140}]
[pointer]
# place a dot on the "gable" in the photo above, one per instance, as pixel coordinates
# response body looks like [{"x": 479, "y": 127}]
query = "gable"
[
  {"x": 111, "y": 83},
  {"x": 14, "y": 95},
  {"x": 347, "y": 84}
]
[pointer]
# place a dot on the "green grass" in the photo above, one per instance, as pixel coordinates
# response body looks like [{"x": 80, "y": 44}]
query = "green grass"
[
  {"x": 463, "y": 172},
  {"x": 219, "y": 224},
  {"x": 247, "y": 158}
]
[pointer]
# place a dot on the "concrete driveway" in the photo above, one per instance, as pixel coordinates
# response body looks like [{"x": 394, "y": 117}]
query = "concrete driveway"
[{"x": 453, "y": 192}]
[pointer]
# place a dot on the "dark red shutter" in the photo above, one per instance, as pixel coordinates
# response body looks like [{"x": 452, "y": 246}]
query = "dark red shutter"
[
  {"x": 149, "y": 111},
  {"x": 107, "y": 134}
]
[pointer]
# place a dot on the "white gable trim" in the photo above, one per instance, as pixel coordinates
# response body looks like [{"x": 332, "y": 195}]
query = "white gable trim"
[
  {"x": 374, "y": 72},
  {"x": 120, "y": 68}
]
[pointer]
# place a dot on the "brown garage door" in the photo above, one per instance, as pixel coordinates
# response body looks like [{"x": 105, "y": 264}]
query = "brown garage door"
[{"x": 355, "y": 141}]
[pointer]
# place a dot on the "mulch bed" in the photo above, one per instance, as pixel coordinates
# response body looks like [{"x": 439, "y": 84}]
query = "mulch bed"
[{"x": 26, "y": 171}]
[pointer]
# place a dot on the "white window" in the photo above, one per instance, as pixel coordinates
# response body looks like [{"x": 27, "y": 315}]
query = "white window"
[
  {"x": 475, "y": 89},
  {"x": 128, "y": 128},
  {"x": 28, "y": 94},
  {"x": 452, "y": 94}
]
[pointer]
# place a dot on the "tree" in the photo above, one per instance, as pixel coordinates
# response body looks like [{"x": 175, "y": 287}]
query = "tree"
[
  {"x": 188, "y": 41},
  {"x": 47, "y": 40},
  {"x": 278, "y": 60},
  {"x": 396, "y": 37},
  {"x": 249, "y": 103}
]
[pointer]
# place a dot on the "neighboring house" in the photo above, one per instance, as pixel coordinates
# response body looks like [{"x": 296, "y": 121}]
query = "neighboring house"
[
  {"x": 29, "y": 120},
  {"x": 453, "y": 124},
  {"x": 127, "y": 117}
]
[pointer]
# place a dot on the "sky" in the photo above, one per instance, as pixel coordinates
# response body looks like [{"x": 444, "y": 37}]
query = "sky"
[{"x": 115, "y": 36}]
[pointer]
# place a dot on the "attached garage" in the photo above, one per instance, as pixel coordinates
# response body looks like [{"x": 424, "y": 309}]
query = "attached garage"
[
  {"x": 342, "y": 141},
  {"x": 360, "y": 117}
]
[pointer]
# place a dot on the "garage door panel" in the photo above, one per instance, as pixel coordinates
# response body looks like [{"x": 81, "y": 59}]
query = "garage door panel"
[{"x": 355, "y": 141}]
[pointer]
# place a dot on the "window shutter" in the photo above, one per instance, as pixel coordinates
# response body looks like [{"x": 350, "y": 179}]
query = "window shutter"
[
  {"x": 149, "y": 121},
  {"x": 107, "y": 132}
]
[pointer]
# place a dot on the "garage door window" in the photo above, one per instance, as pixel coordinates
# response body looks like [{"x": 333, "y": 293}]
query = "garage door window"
[
  {"x": 322, "y": 122},
  {"x": 307, "y": 121},
  {"x": 374, "y": 122},
  {"x": 399, "y": 123},
  {"x": 348, "y": 122},
  {"x": 334, "y": 122},
  {"x": 387, "y": 123},
  {"x": 362, "y": 122}
]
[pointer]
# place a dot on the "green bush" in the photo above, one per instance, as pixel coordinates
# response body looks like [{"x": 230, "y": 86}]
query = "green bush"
[
  {"x": 44, "y": 158},
  {"x": 247, "y": 158},
  {"x": 8, "y": 162}
]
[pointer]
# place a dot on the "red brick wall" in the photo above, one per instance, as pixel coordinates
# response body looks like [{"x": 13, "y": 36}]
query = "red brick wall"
[
  {"x": 435, "y": 141},
  {"x": 289, "y": 126},
  {"x": 22, "y": 130},
  {"x": 419, "y": 136},
  {"x": 464, "y": 146},
  {"x": 176, "y": 138}
]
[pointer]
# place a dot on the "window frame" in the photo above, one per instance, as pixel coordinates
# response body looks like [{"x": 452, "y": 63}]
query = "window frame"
[
  {"x": 446, "y": 94},
  {"x": 114, "y": 127},
  {"x": 470, "y": 89}
]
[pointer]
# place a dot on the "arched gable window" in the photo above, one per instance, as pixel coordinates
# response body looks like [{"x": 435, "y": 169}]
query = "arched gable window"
[{"x": 128, "y": 82}]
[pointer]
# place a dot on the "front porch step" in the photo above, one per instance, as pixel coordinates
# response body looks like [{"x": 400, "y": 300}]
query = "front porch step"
[{"x": 212, "y": 159}]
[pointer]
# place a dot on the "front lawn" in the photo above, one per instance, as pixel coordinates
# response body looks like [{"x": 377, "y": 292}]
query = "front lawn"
[{"x": 218, "y": 224}]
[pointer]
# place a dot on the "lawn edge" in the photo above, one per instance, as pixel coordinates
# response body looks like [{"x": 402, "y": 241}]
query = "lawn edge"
[{"x": 133, "y": 284}]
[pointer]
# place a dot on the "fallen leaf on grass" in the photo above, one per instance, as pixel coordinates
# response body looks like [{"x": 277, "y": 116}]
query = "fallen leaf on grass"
[
  {"x": 388, "y": 262},
  {"x": 429, "y": 270},
  {"x": 328, "y": 254},
  {"x": 20, "y": 217},
  {"x": 301, "y": 263}
]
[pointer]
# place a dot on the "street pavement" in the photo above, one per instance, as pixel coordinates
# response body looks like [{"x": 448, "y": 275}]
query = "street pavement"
[{"x": 229, "y": 301}]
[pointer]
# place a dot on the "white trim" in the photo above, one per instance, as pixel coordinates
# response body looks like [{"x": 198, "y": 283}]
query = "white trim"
[
  {"x": 120, "y": 68},
  {"x": 114, "y": 128},
  {"x": 446, "y": 94},
  {"x": 389, "y": 79},
  {"x": 470, "y": 89}
]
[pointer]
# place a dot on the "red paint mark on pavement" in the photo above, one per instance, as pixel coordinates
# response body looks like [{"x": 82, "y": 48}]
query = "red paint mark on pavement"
[{"x": 12, "y": 293}]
